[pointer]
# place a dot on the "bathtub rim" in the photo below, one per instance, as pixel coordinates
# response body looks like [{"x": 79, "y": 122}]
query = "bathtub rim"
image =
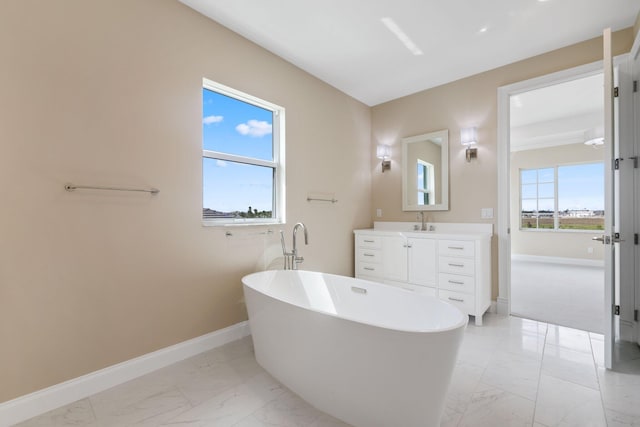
[{"x": 464, "y": 321}]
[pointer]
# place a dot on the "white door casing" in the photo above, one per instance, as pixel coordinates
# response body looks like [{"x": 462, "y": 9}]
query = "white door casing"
[{"x": 503, "y": 220}]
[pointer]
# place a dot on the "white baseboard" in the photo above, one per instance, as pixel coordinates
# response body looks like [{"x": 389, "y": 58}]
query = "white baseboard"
[
  {"x": 493, "y": 308},
  {"x": 41, "y": 401},
  {"x": 502, "y": 306},
  {"x": 559, "y": 260}
]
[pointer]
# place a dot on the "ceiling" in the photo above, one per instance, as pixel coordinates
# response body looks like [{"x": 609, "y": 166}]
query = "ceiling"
[
  {"x": 561, "y": 114},
  {"x": 380, "y": 50}
]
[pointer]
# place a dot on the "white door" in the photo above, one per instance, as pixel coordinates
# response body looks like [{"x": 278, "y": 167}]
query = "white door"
[
  {"x": 620, "y": 204},
  {"x": 635, "y": 130},
  {"x": 422, "y": 261},
  {"x": 609, "y": 256},
  {"x": 394, "y": 258}
]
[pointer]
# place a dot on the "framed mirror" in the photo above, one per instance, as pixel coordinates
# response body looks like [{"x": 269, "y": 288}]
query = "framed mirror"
[{"x": 425, "y": 172}]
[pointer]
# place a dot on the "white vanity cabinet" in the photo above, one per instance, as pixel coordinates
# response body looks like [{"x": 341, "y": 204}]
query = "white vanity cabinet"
[
  {"x": 455, "y": 267},
  {"x": 396, "y": 259},
  {"x": 421, "y": 263},
  {"x": 368, "y": 256}
]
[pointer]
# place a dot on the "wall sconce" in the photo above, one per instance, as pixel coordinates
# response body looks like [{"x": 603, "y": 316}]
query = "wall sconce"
[
  {"x": 469, "y": 138},
  {"x": 383, "y": 152}
]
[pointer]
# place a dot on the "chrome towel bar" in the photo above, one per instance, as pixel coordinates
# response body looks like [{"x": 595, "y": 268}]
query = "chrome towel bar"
[
  {"x": 72, "y": 187},
  {"x": 311, "y": 199}
]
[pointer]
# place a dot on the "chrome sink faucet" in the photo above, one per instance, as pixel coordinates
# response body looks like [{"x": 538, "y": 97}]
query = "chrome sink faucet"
[
  {"x": 291, "y": 259},
  {"x": 423, "y": 222}
]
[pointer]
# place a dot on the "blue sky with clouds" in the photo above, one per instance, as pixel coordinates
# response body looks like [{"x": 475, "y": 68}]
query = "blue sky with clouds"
[{"x": 235, "y": 127}]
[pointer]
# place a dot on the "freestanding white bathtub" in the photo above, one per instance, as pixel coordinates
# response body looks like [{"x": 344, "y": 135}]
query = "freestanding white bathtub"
[{"x": 369, "y": 354}]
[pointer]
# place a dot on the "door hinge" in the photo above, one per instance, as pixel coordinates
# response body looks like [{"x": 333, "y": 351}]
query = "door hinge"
[
  {"x": 635, "y": 161},
  {"x": 635, "y": 85},
  {"x": 635, "y": 239},
  {"x": 615, "y": 92},
  {"x": 616, "y": 310},
  {"x": 635, "y": 315},
  {"x": 616, "y": 163}
]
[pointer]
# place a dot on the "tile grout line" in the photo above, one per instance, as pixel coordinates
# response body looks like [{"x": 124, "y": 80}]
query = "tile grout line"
[
  {"x": 595, "y": 367},
  {"x": 93, "y": 411},
  {"x": 544, "y": 349}
]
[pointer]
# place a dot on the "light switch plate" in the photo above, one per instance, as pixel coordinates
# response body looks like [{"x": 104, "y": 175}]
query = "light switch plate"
[{"x": 486, "y": 213}]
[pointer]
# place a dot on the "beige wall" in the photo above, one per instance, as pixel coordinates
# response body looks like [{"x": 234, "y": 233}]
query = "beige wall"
[
  {"x": 563, "y": 244},
  {"x": 468, "y": 102},
  {"x": 109, "y": 93}
]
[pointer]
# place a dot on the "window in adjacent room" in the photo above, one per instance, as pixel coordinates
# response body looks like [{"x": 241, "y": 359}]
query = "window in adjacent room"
[
  {"x": 425, "y": 183},
  {"x": 242, "y": 158},
  {"x": 565, "y": 197}
]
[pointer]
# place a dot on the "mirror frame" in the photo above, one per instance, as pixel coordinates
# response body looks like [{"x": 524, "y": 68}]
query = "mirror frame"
[{"x": 444, "y": 173}]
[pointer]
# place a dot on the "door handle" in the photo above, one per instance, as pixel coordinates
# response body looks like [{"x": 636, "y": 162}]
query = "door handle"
[{"x": 607, "y": 240}]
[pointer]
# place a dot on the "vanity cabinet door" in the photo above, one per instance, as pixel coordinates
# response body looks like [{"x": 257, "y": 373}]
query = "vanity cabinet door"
[
  {"x": 394, "y": 258},
  {"x": 422, "y": 261}
]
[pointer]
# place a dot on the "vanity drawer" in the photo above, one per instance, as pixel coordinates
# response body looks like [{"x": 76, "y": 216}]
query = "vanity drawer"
[
  {"x": 369, "y": 269},
  {"x": 463, "y": 248},
  {"x": 368, "y": 241},
  {"x": 455, "y": 282},
  {"x": 464, "y": 302},
  {"x": 456, "y": 265},
  {"x": 368, "y": 255}
]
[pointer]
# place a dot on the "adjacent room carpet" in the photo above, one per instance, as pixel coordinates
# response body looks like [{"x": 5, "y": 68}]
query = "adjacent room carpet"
[{"x": 567, "y": 295}]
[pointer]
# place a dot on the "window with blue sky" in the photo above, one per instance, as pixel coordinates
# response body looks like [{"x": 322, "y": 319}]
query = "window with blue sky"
[
  {"x": 564, "y": 197},
  {"x": 242, "y": 147}
]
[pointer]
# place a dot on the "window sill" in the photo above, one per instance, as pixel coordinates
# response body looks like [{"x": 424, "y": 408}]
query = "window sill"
[
  {"x": 550, "y": 230},
  {"x": 241, "y": 223}
]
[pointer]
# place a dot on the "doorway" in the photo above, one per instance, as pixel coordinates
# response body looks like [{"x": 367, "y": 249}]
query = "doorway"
[
  {"x": 557, "y": 203},
  {"x": 622, "y": 147}
]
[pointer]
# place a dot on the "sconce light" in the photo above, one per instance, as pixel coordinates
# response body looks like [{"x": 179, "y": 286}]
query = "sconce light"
[
  {"x": 469, "y": 138},
  {"x": 383, "y": 152}
]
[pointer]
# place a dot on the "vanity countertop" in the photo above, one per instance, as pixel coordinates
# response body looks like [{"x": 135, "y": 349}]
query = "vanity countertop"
[{"x": 436, "y": 230}]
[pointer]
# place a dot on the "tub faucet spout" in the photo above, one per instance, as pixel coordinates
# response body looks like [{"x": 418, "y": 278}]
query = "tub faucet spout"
[
  {"x": 292, "y": 259},
  {"x": 298, "y": 259}
]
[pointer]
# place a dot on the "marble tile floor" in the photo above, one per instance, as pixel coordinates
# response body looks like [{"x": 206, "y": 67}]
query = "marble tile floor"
[{"x": 510, "y": 372}]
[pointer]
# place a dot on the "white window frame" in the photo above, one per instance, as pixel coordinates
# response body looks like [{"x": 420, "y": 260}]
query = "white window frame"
[
  {"x": 429, "y": 169},
  {"x": 556, "y": 212},
  {"x": 278, "y": 163}
]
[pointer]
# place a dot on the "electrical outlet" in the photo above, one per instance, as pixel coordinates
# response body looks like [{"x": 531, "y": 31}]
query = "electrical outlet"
[
  {"x": 379, "y": 213},
  {"x": 589, "y": 250}
]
